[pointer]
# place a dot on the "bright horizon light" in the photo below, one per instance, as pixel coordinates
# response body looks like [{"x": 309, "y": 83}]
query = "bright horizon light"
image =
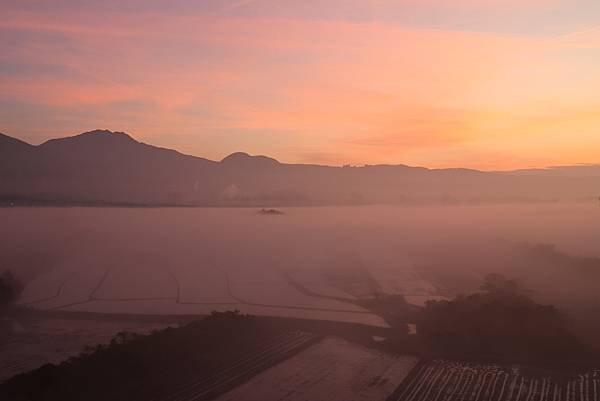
[{"x": 496, "y": 84}]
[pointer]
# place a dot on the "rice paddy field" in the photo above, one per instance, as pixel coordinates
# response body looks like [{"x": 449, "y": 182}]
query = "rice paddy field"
[
  {"x": 333, "y": 369},
  {"x": 193, "y": 260},
  {"x": 243, "y": 367},
  {"x": 309, "y": 263},
  {"x": 452, "y": 381}
]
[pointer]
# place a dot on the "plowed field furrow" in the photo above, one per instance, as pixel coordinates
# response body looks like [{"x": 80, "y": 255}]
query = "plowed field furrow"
[{"x": 441, "y": 380}]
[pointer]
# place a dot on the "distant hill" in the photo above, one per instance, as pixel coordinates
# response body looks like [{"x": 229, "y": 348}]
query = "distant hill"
[{"x": 111, "y": 168}]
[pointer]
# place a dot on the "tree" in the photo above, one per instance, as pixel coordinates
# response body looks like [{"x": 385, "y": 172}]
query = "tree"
[
  {"x": 497, "y": 283},
  {"x": 500, "y": 322},
  {"x": 10, "y": 288}
]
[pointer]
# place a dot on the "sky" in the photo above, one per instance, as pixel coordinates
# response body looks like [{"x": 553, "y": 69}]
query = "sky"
[{"x": 488, "y": 84}]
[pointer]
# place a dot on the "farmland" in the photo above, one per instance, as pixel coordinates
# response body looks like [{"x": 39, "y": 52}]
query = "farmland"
[
  {"x": 193, "y": 261},
  {"x": 445, "y": 380},
  {"x": 196, "y": 273},
  {"x": 340, "y": 264},
  {"x": 181, "y": 290},
  {"x": 197, "y": 361},
  {"x": 193, "y": 266},
  {"x": 243, "y": 367},
  {"x": 333, "y": 369}
]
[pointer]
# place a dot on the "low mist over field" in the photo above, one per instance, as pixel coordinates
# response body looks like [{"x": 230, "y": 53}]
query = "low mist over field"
[{"x": 188, "y": 260}]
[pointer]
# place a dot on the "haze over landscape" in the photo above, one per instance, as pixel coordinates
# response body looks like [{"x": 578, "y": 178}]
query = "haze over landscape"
[{"x": 266, "y": 200}]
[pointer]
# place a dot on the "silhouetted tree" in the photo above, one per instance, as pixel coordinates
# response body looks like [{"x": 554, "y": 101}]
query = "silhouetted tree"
[
  {"x": 141, "y": 367},
  {"x": 498, "y": 284},
  {"x": 10, "y": 288},
  {"x": 499, "y": 322}
]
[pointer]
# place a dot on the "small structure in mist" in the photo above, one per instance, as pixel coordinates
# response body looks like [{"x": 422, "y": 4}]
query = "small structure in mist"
[{"x": 271, "y": 212}]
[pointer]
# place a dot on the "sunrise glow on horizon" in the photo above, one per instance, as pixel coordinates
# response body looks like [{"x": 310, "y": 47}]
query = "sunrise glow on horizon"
[{"x": 489, "y": 84}]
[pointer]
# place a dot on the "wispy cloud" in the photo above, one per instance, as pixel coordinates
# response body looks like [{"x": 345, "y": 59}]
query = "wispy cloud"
[
  {"x": 584, "y": 38},
  {"x": 360, "y": 90},
  {"x": 238, "y": 4}
]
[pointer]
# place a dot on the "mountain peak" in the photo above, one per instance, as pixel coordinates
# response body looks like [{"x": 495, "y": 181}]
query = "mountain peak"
[
  {"x": 244, "y": 159},
  {"x": 106, "y": 133},
  {"x": 236, "y": 155},
  {"x": 95, "y": 137}
]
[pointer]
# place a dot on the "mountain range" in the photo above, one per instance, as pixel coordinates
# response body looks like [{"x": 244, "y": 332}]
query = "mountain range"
[{"x": 102, "y": 167}]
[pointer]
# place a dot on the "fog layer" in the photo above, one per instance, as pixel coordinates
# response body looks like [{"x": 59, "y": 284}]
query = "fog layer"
[{"x": 145, "y": 260}]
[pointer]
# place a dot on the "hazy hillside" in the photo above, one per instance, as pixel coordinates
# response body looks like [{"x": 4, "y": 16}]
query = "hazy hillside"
[{"x": 104, "y": 167}]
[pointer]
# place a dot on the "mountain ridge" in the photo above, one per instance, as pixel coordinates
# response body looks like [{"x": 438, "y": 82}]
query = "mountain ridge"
[
  {"x": 106, "y": 167},
  {"x": 241, "y": 154}
]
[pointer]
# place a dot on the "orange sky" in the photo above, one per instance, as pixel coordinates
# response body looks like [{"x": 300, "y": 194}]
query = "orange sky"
[{"x": 491, "y": 84}]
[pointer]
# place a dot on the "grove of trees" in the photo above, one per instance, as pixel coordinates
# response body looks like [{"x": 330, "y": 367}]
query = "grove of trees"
[{"x": 499, "y": 322}]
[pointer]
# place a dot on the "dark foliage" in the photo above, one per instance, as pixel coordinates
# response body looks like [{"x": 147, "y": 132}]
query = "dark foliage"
[
  {"x": 142, "y": 367},
  {"x": 10, "y": 289},
  {"x": 500, "y": 322},
  {"x": 393, "y": 309}
]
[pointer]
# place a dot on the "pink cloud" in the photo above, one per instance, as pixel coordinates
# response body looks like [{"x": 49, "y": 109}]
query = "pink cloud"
[{"x": 366, "y": 92}]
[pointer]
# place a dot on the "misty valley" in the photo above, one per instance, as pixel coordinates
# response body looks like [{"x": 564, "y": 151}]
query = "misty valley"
[
  {"x": 299, "y": 200},
  {"x": 494, "y": 301}
]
